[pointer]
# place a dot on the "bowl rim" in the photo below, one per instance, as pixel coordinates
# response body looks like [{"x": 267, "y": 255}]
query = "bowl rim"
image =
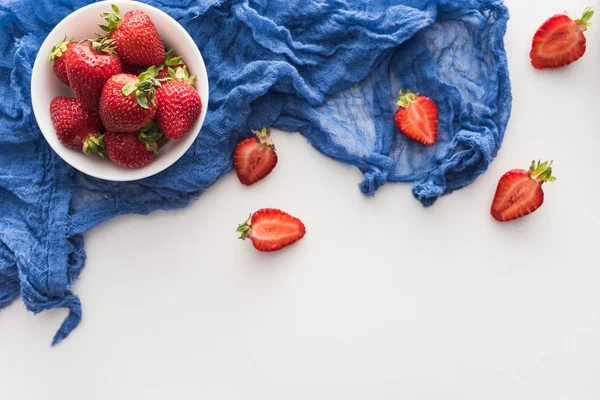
[{"x": 153, "y": 168}]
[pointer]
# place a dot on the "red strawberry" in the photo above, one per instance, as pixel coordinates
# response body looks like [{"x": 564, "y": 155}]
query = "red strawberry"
[
  {"x": 179, "y": 105},
  {"x": 417, "y": 117},
  {"x": 255, "y": 157},
  {"x": 88, "y": 68},
  {"x": 171, "y": 61},
  {"x": 135, "y": 37},
  {"x": 271, "y": 229},
  {"x": 76, "y": 127},
  {"x": 132, "y": 149},
  {"x": 520, "y": 192},
  {"x": 57, "y": 59},
  {"x": 128, "y": 102},
  {"x": 560, "y": 41}
]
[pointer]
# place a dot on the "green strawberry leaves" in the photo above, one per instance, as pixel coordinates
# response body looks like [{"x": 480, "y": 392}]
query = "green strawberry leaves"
[
  {"x": 541, "y": 171},
  {"x": 144, "y": 88},
  {"x": 94, "y": 145},
  {"x": 149, "y": 135},
  {"x": 405, "y": 99},
  {"x": 58, "y": 50},
  {"x": 113, "y": 19},
  {"x": 181, "y": 74}
]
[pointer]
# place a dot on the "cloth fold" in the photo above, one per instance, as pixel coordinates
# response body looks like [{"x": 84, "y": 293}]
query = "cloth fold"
[{"x": 329, "y": 69}]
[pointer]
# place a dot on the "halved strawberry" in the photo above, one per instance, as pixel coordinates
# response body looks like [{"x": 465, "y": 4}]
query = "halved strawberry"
[
  {"x": 520, "y": 192},
  {"x": 417, "y": 117},
  {"x": 271, "y": 229},
  {"x": 255, "y": 157},
  {"x": 560, "y": 41}
]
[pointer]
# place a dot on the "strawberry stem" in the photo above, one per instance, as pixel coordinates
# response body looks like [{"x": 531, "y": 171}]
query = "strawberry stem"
[
  {"x": 264, "y": 137},
  {"x": 585, "y": 21},
  {"x": 244, "y": 229},
  {"x": 171, "y": 61},
  {"x": 146, "y": 84},
  {"x": 94, "y": 144},
  {"x": 102, "y": 44},
  {"x": 405, "y": 99},
  {"x": 541, "y": 172},
  {"x": 113, "y": 19},
  {"x": 149, "y": 135},
  {"x": 181, "y": 74},
  {"x": 58, "y": 50}
]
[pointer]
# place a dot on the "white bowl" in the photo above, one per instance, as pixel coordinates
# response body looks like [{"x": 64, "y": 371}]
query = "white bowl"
[{"x": 45, "y": 86}]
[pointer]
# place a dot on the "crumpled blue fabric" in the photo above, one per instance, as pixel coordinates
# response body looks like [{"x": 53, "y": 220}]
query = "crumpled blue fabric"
[{"x": 330, "y": 69}]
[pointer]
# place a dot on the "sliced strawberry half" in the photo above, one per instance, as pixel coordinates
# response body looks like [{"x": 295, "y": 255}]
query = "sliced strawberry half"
[
  {"x": 417, "y": 117},
  {"x": 255, "y": 157},
  {"x": 520, "y": 193},
  {"x": 271, "y": 229},
  {"x": 560, "y": 41}
]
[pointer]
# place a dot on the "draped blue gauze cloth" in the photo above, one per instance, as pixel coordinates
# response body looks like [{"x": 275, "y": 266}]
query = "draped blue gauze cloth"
[{"x": 330, "y": 69}]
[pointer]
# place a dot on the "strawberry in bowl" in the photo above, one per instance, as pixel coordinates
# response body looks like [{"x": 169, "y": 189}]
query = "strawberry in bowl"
[{"x": 133, "y": 37}]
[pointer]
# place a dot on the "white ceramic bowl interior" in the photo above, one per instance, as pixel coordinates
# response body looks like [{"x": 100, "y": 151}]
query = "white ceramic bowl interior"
[{"x": 45, "y": 86}]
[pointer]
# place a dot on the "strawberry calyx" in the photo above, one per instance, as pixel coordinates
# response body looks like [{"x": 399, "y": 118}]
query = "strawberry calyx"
[
  {"x": 102, "y": 44},
  {"x": 405, "y": 99},
  {"x": 585, "y": 21},
  {"x": 58, "y": 50},
  {"x": 264, "y": 137},
  {"x": 244, "y": 229},
  {"x": 181, "y": 74},
  {"x": 144, "y": 86},
  {"x": 94, "y": 144},
  {"x": 541, "y": 171},
  {"x": 149, "y": 135},
  {"x": 171, "y": 61},
  {"x": 113, "y": 19}
]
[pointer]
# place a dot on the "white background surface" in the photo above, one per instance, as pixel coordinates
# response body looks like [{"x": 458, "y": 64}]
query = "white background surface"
[{"x": 382, "y": 299}]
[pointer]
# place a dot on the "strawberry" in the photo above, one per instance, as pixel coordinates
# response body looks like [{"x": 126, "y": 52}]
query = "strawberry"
[
  {"x": 76, "y": 127},
  {"x": 128, "y": 102},
  {"x": 417, "y": 117},
  {"x": 132, "y": 149},
  {"x": 560, "y": 41},
  {"x": 179, "y": 105},
  {"x": 88, "y": 67},
  {"x": 255, "y": 157},
  {"x": 57, "y": 59},
  {"x": 135, "y": 37},
  {"x": 271, "y": 229},
  {"x": 520, "y": 192},
  {"x": 171, "y": 61}
]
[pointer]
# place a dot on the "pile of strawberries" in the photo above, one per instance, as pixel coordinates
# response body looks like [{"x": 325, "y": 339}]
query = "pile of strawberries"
[{"x": 130, "y": 94}]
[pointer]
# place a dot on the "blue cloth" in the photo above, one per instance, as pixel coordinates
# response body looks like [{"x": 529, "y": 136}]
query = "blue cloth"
[{"x": 330, "y": 69}]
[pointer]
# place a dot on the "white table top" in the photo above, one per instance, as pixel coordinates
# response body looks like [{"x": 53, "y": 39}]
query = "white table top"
[{"x": 382, "y": 299}]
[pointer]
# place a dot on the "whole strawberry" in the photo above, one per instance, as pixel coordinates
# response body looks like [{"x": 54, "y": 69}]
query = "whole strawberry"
[
  {"x": 76, "y": 127},
  {"x": 57, "y": 59},
  {"x": 128, "y": 102},
  {"x": 171, "y": 61},
  {"x": 132, "y": 149},
  {"x": 520, "y": 193},
  {"x": 89, "y": 66},
  {"x": 135, "y": 37},
  {"x": 179, "y": 105},
  {"x": 560, "y": 41}
]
